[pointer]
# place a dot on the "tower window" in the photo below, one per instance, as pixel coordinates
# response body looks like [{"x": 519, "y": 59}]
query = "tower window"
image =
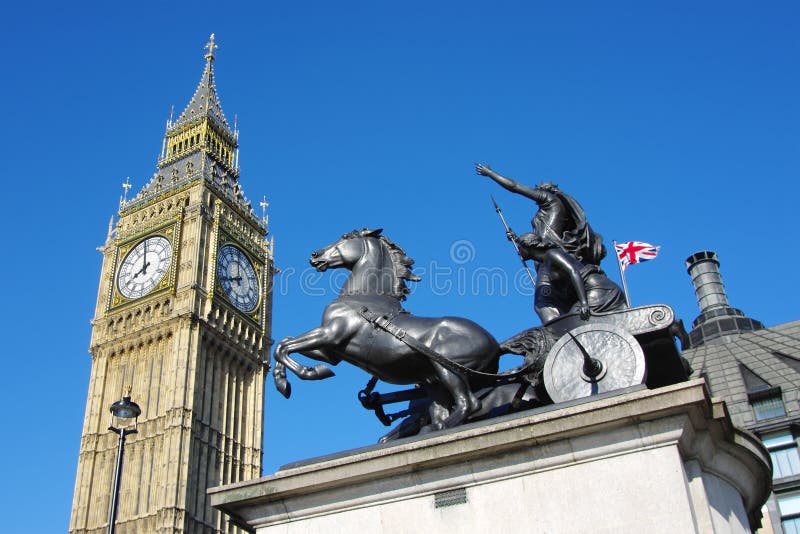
[
  {"x": 783, "y": 451},
  {"x": 767, "y": 403},
  {"x": 764, "y": 397}
]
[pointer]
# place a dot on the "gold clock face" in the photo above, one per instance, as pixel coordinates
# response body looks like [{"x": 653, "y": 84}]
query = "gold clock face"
[
  {"x": 144, "y": 267},
  {"x": 238, "y": 278}
]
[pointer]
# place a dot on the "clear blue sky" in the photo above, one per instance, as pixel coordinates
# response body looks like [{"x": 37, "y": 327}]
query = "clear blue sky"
[{"x": 674, "y": 123}]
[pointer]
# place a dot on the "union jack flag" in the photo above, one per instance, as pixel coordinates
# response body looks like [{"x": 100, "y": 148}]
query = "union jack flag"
[{"x": 635, "y": 252}]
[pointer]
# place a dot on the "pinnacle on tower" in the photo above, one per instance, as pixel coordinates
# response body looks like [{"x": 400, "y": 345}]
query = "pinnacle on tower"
[{"x": 204, "y": 102}]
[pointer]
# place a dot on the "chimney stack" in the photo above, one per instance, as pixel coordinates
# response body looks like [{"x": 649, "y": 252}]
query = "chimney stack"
[
  {"x": 703, "y": 267},
  {"x": 716, "y": 317}
]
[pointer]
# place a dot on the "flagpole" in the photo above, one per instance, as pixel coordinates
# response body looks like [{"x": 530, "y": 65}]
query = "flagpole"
[{"x": 622, "y": 275}]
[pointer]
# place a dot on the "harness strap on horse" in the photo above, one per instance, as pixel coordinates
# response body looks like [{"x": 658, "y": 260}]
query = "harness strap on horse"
[{"x": 384, "y": 322}]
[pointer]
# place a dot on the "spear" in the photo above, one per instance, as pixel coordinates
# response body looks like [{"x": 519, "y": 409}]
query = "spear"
[{"x": 511, "y": 235}]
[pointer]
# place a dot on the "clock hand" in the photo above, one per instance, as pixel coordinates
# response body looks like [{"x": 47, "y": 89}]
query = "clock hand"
[
  {"x": 144, "y": 259},
  {"x": 143, "y": 270}
]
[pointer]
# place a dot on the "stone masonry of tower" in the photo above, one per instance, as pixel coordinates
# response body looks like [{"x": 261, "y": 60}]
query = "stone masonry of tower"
[{"x": 192, "y": 339}]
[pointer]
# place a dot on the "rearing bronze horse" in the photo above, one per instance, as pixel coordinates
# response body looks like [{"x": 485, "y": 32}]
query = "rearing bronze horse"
[{"x": 376, "y": 285}]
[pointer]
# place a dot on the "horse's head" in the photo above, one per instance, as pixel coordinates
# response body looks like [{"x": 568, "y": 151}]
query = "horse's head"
[
  {"x": 385, "y": 268},
  {"x": 344, "y": 252}
]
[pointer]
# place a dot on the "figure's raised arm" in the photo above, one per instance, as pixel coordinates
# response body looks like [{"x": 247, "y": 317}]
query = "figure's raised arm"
[{"x": 508, "y": 183}]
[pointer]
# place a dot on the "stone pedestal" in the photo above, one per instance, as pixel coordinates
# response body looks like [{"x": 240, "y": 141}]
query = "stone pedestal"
[{"x": 665, "y": 460}]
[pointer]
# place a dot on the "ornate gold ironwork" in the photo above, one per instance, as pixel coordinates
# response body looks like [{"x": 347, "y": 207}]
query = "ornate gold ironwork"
[{"x": 211, "y": 46}]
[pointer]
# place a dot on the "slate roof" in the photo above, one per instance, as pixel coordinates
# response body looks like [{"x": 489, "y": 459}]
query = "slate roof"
[{"x": 771, "y": 355}]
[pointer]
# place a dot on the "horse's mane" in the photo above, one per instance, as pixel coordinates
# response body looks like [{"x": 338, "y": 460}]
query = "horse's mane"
[{"x": 402, "y": 264}]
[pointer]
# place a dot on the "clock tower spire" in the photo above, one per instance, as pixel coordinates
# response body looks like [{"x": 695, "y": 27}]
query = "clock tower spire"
[
  {"x": 183, "y": 315},
  {"x": 200, "y": 142}
]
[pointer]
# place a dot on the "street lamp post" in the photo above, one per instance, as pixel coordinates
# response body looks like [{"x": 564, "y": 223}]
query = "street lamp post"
[{"x": 121, "y": 411}]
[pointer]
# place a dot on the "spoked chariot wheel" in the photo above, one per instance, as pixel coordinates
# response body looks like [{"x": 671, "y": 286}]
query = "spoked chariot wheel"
[{"x": 593, "y": 359}]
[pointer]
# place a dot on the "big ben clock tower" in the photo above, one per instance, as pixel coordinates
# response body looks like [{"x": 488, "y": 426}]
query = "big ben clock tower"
[{"x": 183, "y": 316}]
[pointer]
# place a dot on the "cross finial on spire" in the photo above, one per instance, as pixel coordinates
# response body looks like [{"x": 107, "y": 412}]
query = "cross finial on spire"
[
  {"x": 211, "y": 46},
  {"x": 126, "y": 186}
]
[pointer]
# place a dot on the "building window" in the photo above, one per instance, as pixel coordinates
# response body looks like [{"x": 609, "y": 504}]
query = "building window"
[
  {"x": 783, "y": 451},
  {"x": 767, "y": 403},
  {"x": 789, "y": 507}
]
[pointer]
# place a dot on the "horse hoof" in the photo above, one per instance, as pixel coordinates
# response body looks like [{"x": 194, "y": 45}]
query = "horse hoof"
[
  {"x": 322, "y": 371},
  {"x": 284, "y": 387}
]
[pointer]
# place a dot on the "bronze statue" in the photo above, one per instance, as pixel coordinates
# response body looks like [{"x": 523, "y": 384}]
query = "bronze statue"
[{"x": 589, "y": 342}]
